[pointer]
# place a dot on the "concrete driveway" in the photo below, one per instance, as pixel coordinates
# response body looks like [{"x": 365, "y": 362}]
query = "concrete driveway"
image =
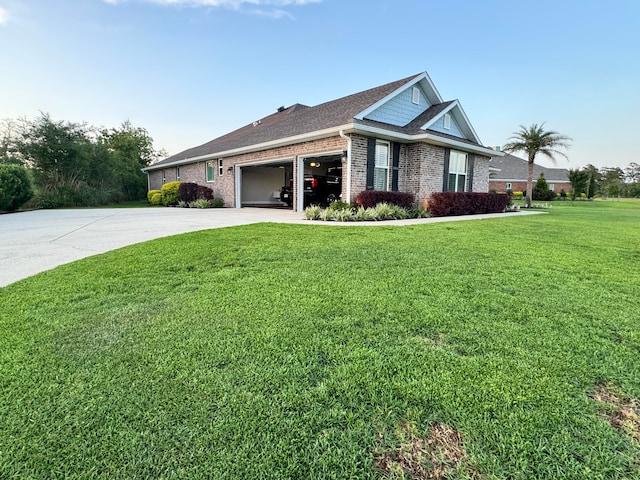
[{"x": 32, "y": 242}]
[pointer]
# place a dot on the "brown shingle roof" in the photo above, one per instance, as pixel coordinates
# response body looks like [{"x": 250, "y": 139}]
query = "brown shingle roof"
[
  {"x": 515, "y": 169},
  {"x": 295, "y": 120}
]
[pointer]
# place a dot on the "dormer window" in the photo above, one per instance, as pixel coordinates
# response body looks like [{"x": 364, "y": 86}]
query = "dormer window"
[
  {"x": 415, "y": 97},
  {"x": 447, "y": 121}
]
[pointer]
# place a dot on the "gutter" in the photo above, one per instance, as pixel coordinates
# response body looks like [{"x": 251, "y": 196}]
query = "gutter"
[
  {"x": 348, "y": 139},
  {"x": 329, "y": 132}
]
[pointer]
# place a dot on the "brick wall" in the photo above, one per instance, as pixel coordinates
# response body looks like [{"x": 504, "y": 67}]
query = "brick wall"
[
  {"x": 421, "y": 168},
  {"x": 501, "y": 186},
  {"x": 480, "y": 173},
  {"x": 224, "y": 186}
]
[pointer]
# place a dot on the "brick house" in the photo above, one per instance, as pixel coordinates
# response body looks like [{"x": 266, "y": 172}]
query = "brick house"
[
  {"x": 400, "y": 136},
  {"x": 509, "y": 172}
]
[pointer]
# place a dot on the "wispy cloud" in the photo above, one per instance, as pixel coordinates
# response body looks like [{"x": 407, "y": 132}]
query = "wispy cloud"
[
  {"x": 265, "y": 8},
  {"x": 4, "y": 16}
]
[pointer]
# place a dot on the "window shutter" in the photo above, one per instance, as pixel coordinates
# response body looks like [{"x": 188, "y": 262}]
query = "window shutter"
[
  {"x": 371, "y": 161},
  {"x": 472, "y": 161},
  {"x": 445, "y": 180},
  {"x": 396, "y": 166}
]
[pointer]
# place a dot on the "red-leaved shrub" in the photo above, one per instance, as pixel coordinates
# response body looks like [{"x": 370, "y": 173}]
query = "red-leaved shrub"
[
  {"x": 467, "y": 203},
  {"x": 187, "y": 192},
  {"x": 371, "y": 198},
  {"x": 204, "y": 193}
]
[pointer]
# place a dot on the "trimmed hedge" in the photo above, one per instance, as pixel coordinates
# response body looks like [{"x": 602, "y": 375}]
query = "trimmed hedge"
[
  {"x": 170, "y": 193},
  {"x": 187, "y": 192},
  {"x": 467, "y": 203},
  {"x": 371, "y": 198}
]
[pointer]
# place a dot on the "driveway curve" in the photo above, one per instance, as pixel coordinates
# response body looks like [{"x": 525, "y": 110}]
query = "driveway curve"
[{"x": 32, "y": 242}]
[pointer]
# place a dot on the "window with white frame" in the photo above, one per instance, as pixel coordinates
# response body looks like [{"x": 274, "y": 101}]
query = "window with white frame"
[
  {"x": 211, "y": 171},
  {"x": 507, "y": 186},
  {"x": 415, "y": 96},
  {"x": 457, "y": 171},
  {"x": 220, "y": 171},
  {"x": 177, "y": 173},
  {"x": 551, "y": 186},
  {"x": 447, "y": 121},
  {"x": 381, "y": 171}
]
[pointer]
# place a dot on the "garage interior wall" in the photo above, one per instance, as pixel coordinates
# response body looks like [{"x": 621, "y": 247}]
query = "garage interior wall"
[{"x": 262, "y": 185}]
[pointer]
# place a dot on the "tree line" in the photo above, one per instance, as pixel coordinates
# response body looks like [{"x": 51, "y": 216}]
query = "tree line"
[
  {"x": 606, "y": 182},
  {"x": 67, "y": 164}
]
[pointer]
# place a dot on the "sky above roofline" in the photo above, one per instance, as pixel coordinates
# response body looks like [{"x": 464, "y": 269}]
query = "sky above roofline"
[{"x": 191, "y": 70}]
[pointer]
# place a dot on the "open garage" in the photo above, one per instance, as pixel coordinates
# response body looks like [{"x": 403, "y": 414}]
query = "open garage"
[{"x": 259, "y": 185}]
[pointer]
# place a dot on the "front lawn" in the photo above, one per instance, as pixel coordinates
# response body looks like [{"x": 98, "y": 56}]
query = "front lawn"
[{"x": 478, "y": 349}]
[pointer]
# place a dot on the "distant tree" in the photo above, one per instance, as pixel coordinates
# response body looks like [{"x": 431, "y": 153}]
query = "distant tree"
[
  {"x": 632, "y": 173},
  {"x": 77, "y": 165},
  {"x": 593, "y": 185},
  {"x": 132, "y": 150},
  {"x": 58, "y": 153},
  {"x": 8, "y": 142},
  {"x": 612, "y": 181},
  {"x": 579, "y": 181},
  {"x": 533, "y": 141},
  {"x": 541, "y": 190}
]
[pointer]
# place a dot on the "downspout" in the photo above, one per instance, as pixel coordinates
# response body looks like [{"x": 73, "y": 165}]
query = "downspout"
[{"x": 348, "y": 139}]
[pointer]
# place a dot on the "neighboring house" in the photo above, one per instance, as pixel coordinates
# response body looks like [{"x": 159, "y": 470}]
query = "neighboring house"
[
  {"x": 509, "y": 172},
  {"x": 399, "y": 136}
]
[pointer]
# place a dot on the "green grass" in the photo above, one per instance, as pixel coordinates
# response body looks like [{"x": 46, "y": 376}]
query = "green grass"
[{"x": 290, "y": 351}]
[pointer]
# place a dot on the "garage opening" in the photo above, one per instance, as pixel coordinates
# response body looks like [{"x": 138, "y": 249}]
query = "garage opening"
[
  {"x": 261, "y": 185},
  {"x": 322, "y": 176}
]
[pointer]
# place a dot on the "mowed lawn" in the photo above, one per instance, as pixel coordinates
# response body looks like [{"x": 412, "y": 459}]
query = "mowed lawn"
[{"x": 475, "y": 349}]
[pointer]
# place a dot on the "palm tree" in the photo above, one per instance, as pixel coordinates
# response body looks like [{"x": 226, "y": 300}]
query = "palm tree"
[{"x": 532, "y": 141}]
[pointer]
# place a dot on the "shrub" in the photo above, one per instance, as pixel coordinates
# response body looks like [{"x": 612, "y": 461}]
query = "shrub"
[
  {"x": 200, "y": 203},
  {"x": 187, "y": 192},
  {"x": 339, "y": 205},
  {"x": 183, "y": 204},
  {"x": 343, "y": 215},
  {"x": 518, "y": 195},
  {"x": 151, "y": 194},
  {"x": 170, "y": 193},
  {"x": 312, "y": 212},
  {"x": 563, "y": 194},
  {"x": 371, "y": 198},
  {"x": 217, "y": 203},
  {"x": 203, "y": 192},
  {"x": 327, "y": 214},
  {"x": 156, "y": 198},
  {"x": 15, "y": 187},
  {"x": 366, "y": 214},
  {"x": 467, "y": 203}
]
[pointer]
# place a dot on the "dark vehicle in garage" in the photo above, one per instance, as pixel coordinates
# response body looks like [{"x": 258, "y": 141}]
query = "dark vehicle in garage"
[{"x": 318, "y": 189}]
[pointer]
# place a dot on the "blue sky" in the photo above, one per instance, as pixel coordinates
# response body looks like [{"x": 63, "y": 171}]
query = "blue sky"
[{"x": 191, "y": 70}]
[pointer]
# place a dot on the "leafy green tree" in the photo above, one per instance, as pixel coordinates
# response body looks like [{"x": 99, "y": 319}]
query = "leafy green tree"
[
  {"x": 15, "y": 186},
  {"x": 75, "y": 164},
  {"x": 132, "y": 150},
  {"x": 8, "y": 138},
  {"x": 612, "y": 181},
  {"x": 58, "y": 153},
  {"x": 593, "y": 185},
  {"x": 632, "y": 173},
  {"x": 579, "y": 181},
  {"x": 533, "y": 141}
]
